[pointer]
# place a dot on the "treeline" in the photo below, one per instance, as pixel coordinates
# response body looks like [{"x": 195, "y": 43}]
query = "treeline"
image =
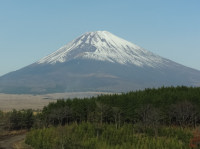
[
  {"x": 161, "y": 118},
  {"x": 177, "y": 106},
  {"x": 169, "y": 106},
  {"x": 16, "y": 120}
]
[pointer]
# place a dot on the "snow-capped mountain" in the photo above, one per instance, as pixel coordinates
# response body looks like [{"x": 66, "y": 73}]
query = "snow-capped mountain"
[
  {"x": 98, "y": 61},
  {"x": 104, "y": 46}
]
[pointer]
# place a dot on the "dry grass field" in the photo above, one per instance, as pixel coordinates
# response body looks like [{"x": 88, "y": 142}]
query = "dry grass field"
[{"x": 26, "y": 101}]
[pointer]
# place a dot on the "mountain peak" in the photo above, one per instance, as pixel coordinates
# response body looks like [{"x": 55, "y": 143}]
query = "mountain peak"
[
  {"x": 103, "y": 46},
  {"x": 99, "y": 33},
  {"x": 98, "y": 61}
]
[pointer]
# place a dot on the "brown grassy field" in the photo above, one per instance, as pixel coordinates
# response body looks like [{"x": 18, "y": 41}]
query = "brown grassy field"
[{"x": 26, "y": 101}]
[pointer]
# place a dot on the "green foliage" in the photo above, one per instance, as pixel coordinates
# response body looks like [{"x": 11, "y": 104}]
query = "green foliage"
[
  {"x": 149, "y": 107},
  {"x": 23, "y": 119},
  {"x": 84, "y": 136},
  {"x": 15, "y": 120},
  {"x": 2, "y": 121},
  {"x": 153, "y": 118}
]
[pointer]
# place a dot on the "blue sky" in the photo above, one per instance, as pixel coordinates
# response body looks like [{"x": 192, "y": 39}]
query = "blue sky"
[{"x": 30, "y": 30}]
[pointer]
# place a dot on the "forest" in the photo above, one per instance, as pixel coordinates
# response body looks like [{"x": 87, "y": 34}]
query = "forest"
[{"x": 164, "y": 118}]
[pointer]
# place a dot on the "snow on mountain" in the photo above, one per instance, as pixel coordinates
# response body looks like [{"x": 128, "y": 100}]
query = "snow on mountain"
[
  {"x": 104, "y": 46},
  {"x": 98, "y": 61}
]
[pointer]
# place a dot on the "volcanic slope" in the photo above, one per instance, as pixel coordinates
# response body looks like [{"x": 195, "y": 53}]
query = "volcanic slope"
[{"x": 98, "y": 61}]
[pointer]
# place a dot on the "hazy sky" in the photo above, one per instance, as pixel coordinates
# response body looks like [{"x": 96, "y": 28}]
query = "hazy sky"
[{"x": 32, "y": 29}]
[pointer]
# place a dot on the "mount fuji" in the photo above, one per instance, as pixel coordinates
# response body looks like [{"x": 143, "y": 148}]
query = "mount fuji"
[{"x": 98, "y": 61}]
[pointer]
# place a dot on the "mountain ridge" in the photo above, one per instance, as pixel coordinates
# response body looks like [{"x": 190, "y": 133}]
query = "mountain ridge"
[{"x": 98, "y": 61}]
